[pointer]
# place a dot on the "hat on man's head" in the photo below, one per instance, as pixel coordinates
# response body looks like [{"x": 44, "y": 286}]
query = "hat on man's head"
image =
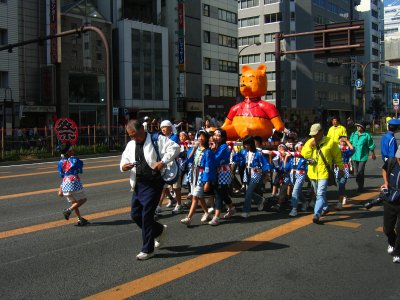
[
  {"x": 360, "y": 124},
  {"x": 315, "y": 128},
  {"x": 146, "y": 118},
  {"x": 397, "y": 155},
  {"x": 394, "y": 122},
  {"x": 166, "y": 123}
]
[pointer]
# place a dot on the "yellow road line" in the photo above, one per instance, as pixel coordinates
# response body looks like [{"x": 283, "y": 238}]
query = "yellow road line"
[
  {"x": 365, "y": 196},
  {"x": 343, "y": 224},
  {"x": 55, "y": 224},
  {"x": 11, "y": 196},
  {"x": 180, "y": 270},
  {"x": 379, "y": 229}
]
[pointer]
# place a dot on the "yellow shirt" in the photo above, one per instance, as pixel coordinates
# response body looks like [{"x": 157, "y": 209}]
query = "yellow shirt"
[
  {"x": 337, "y": 131},
  {"x": 332, "y": 155}
]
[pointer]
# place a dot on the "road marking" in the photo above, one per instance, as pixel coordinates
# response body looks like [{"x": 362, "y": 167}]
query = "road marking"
[
  {"x": 343, "y": 224},
  {"x": 366, "y": 196},
  {"x": 379, "y": 229},
  {"x": 55, "y": 224},
  {"x": 11, "y": 196},
  {"x": 180, "y": 270},
  {"x": 52, "y": 172}
]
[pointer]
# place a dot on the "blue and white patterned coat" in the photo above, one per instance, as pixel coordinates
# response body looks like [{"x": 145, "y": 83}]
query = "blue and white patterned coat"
[
  {"x": 257, "y": 166},
  {"x": 222, "y": 158},
  {"x": 69, "y": 168}
]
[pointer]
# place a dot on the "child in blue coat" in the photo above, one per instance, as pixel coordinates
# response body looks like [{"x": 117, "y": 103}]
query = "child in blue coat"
[
  {"x": 256, "y": 166},
  {"x": 69, "y": 168}
]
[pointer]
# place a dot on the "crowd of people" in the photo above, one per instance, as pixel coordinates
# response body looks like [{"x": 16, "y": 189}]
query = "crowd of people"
[{"x": 269, "y": 177}]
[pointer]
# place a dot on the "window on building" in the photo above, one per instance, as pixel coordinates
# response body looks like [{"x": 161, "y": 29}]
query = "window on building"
[
  {"x": 374, "y": 26},
  {"x": 249, "y": 40},
  {"x": 269, "y": 37},
  {"x": 206, "y": 37},
  {"x": 206, "y": 10},
  {"x": 270, "y": 56},
  {"x": 99, "y": 56},
  {"x": 3, "y": 80},
  {"x": 248, "y": 3},
  {"x": 86, "y": 45},
  {"x": 74, "y": 26},
  {"x": 227, "y": 91},
  {"x": 292, "y": 16},
  {"x": 294, "y": 74},
  {"x": 375, "y": 77},
  {"x": 375, "y": 39},
  {"x": 250, "y": 59},
  {"x": 271, "y": 1},
  {"x": 246, "y": 22},
  {"x": 227, "y": 66},
  {"x": 227, "y": 41},
  {"x": 207, "y": 63},
  {"x": 207, "y": 90},
  {"x": 271, "y": 75},
  {"x": 272, "y": 18},
  {"x": 3, "y": 36},
  {"x": 374, "y": 13},
  {"x": 227, "y": 16},
  {"x": 74, "y": 54},
  {"x": 294, "y": 94},
  {"x": 375, "y": 52}
]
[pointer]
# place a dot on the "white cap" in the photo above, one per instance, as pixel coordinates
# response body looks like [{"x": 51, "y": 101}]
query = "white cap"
[{"x": 166, "y": 123}]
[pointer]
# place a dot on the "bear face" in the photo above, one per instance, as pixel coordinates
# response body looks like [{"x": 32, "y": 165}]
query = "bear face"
[{"x": 253, "y": 83}]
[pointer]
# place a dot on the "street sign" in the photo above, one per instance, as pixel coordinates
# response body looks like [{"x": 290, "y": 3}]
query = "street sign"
[
  {"x": 396, "y": 95},
  {"x": 396, "y": 107},
  {"x": 396, "y": 102},
  {"x": 358, "y": 83}
]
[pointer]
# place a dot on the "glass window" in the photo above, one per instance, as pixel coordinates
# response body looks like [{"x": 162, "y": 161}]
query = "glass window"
[
  {"x": 206, "y": 10},
  {"x": 3, "y": 36},
  {"x": 206, "y": 37},
  {"x": 206, "y": 64},
  {"x": 3, "y": 80}
]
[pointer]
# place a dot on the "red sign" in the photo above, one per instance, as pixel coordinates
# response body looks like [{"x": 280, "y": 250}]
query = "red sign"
[{"x": 66, "y": 130}]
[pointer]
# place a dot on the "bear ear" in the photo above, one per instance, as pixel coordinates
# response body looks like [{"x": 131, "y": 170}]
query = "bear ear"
[
  {"x": 262, "y": 68},
  {"x": 246, "y": 68}
]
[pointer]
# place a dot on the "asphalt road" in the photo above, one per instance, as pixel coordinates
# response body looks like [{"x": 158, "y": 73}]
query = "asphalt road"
[{"x": 268, "y": 256}]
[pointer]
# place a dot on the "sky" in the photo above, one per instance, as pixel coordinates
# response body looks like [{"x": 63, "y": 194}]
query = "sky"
[{"x": 387, "y": 2}]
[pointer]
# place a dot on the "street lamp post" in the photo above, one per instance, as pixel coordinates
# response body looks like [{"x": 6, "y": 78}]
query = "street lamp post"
[
  {"x": 364, "y": 76},
  {"x": 238, "y": 61}
]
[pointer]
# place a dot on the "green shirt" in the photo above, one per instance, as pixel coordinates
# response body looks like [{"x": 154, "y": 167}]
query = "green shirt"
[{"x": 362, "y": 144}]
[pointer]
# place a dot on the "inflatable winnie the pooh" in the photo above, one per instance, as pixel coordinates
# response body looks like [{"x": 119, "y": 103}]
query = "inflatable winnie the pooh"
[{"x": 252, "y": 116}]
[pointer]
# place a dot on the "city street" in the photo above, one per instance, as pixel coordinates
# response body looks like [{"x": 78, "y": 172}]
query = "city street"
[{"x": 267, "y": 256}]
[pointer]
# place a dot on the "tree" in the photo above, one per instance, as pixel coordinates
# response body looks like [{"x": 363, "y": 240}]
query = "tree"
[{"x": 377, "y": 107}]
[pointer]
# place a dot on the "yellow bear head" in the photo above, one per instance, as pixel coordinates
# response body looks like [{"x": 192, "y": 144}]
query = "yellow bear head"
[{"x": 253, "y": 83}]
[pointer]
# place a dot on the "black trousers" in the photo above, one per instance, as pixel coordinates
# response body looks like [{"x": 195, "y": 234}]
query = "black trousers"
[
  {"x": 359, "y": 168},
  {"x": 391, "y": 217},
  {"x": 144, "y": 203}
]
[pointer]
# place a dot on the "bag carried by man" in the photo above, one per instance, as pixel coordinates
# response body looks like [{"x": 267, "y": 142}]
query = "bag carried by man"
[
  {"x": 331, "y": 174},
  {"x": 170, "y": 173}
]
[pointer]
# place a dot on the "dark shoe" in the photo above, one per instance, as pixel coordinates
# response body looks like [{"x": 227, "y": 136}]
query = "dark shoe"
[
  {"x": 325, "y": 211},
  {"x": 67, "y": 213},
  {"x": 316, "y": 220},
  {"x": 82, "y": 222}
]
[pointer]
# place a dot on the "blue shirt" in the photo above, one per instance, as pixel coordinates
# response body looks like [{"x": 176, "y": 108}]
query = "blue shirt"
[{"x": 388, "y": 145}]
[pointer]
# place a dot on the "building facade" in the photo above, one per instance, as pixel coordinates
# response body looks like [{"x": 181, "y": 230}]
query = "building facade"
[{"x": 308, "y": 85}]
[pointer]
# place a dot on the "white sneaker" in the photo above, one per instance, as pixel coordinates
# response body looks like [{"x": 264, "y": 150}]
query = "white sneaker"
[
  {"x": 214, "y": 221},
  {"x": 205, "y": 218},
  {"x": 158, "y": 240},
  {"x": 339, "y": 206},
  {"x": 396, "y": 259},
  {"x": 230, "y": 213},
  {"x": 144, "y": 256},
  {"x": 177, "y": 209},
  {"x": 211, "y": 210},
  {"x": 344, "y": 201},
  {"x": 293, "y": 212},
  {"x": 186, "y": 221},
  {"x": 390, "y": 249},
  {"x": 260, "y": 206},
  {"x": 158, "y": 210},
  {"x": 245, "y": 215}
]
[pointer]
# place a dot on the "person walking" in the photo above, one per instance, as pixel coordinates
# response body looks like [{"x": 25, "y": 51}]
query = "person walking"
[
  {"x": 391, "y": 204},
  {"x": 363, "y": 144},
  {"x": 336, "y": 130},
  {"x": 318, "y": 150},
  {"x": 69, "y": 168},
  {"x": 140, "y": 158},
  {"x": 388, "y": 140}
]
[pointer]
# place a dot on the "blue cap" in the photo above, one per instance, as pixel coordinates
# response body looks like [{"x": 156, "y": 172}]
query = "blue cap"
[{"x": 394, "y": 122}]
